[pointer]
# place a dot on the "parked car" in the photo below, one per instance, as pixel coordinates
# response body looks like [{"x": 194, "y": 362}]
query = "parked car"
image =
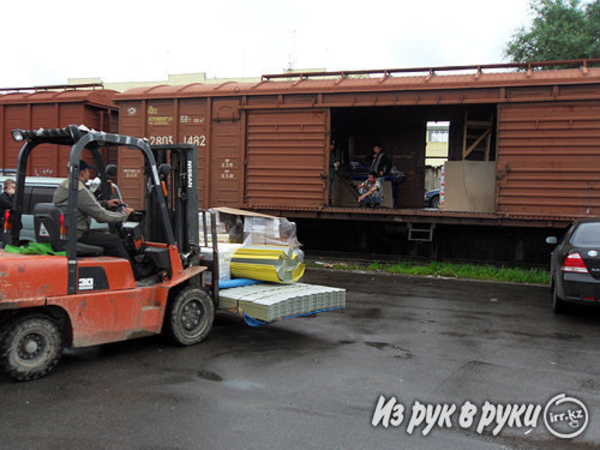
[
  {"x": 432, "y": 199},
  {"x": 38, "y": 190},
  {"x": 575, "y": 265}
]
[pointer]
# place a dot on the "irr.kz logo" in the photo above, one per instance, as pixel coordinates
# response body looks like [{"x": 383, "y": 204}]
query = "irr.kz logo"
[{"x": 566, "y": 417}]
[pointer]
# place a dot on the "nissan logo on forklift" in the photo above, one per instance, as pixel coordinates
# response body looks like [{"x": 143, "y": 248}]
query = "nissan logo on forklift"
[{"x": 52, "y": 302}]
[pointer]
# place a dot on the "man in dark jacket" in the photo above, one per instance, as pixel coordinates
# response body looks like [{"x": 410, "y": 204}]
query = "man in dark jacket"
[
  {"x": 380, "y": 164},
  {"x": 6, "y": 204}
]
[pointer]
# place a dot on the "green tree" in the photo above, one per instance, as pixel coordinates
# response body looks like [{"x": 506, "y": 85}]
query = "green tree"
[{"x": 561, "y": 29}]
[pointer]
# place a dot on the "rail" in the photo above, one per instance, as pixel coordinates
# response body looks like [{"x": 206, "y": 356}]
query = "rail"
[
  {"x": 56, "y": 87},
  {"x": 529, "y": 66}
]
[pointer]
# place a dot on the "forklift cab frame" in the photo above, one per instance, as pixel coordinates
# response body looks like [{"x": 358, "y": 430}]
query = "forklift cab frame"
[
  {"x": 79, "y": 139},
  {"x": 43, "y": 307}
]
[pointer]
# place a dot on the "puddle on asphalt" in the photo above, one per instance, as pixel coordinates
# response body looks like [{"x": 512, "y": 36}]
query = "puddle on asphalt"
[
  {"x": 401, "y": 353},
  {"x": 210, "y": 376}
]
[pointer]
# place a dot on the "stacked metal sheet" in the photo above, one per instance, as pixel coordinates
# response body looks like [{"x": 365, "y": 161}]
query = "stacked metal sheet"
[
  {"x": 273, "y": 263},
  {"x": 269, "y": 302}
]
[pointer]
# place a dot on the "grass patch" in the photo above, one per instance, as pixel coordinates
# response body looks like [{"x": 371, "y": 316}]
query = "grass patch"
[
  {"x": 450, "y": 270},
  {"x": 466, "y": 271}
]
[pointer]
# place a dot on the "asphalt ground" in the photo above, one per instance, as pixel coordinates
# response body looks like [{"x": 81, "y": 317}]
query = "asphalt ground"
[{"x": 315, "y": 382}]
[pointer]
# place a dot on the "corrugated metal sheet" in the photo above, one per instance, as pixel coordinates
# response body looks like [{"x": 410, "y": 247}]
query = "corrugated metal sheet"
[
  {"x": 286, "y": 157},
  {"x": 548, "y": 159}
]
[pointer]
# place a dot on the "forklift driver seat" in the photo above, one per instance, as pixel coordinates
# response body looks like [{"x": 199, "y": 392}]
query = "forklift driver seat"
[{"x": 47, "y": 222}]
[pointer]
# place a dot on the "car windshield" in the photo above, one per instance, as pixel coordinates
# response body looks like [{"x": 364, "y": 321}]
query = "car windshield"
[{"x": 587, "y": 235}]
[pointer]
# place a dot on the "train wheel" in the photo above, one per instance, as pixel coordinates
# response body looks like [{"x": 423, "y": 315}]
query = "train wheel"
[
  {"x": 31, "y": 347},
  {"x": 190, "y": 316}
]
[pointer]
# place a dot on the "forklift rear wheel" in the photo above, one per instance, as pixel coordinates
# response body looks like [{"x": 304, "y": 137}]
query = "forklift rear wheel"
[
  {"x": 30, "y": 347},
  {"x": 190, "y": 316}
]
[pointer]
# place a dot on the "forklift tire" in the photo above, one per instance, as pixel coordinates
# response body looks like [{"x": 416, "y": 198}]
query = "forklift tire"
[
  {"x": 190, "y": 316},
  {"x": 31, "y": 347}
]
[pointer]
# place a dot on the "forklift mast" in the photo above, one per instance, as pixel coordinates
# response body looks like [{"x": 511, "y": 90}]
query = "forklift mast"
[{"x": 178, "y": 173}]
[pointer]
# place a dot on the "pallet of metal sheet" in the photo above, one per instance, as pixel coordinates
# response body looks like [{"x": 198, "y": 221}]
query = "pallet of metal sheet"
[{"x": 269, "y": 301}]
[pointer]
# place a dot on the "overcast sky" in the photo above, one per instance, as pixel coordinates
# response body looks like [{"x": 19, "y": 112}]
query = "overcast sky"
[{"x": 46, "y": 42}]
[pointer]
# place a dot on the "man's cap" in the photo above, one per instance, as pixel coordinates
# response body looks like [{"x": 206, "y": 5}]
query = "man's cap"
[{"x": 84, "y": 165}]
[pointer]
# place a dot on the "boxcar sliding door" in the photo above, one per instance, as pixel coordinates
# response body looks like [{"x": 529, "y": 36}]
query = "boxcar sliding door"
[{"x": 287, "y": 157}]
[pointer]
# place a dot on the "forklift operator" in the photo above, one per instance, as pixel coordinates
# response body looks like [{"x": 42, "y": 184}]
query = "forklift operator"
[{"x": 88, "y": 207}]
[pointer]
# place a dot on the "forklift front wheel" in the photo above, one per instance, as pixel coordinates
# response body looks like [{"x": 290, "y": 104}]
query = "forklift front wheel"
[
  {"x": 31, "y": 347},
  {"x": 190, "y": 316}
]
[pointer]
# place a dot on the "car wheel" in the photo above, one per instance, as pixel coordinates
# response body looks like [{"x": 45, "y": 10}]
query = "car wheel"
[
  {"x": 31, "y": 347},
  {"x": 435, "y": 202},
  {"x": 559, "y": 306},
  {"x": 190, "y": 316}
]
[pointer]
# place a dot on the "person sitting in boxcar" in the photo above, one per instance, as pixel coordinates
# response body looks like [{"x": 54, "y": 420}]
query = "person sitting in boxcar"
[
  {"x": 371, "y": 191},
  {"x": 87, "y": 208}
]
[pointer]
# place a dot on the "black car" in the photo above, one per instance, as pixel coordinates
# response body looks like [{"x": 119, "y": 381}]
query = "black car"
[
  {"x": 575, "y": 265},
  {"x": 432, "y": 199}
]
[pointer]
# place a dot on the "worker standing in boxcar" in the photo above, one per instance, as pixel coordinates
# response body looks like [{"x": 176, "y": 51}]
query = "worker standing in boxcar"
[
  {"x": 335, "y": 161},
  {"x": 380, "y": 163},
  {"x": 382, "y": 166}
]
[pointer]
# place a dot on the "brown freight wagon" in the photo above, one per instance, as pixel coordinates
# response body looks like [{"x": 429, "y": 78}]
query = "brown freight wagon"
[
  {"x": 524, "y": 145},
  {"x": 53, "y": 107}
]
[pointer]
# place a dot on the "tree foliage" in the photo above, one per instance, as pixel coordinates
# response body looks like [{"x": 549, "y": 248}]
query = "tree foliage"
[{"x": 561, "y": 29}]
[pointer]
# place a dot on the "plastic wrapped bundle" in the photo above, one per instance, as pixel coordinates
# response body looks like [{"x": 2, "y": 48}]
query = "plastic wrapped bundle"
[
  {"x": 226, "y": 252},
  {"x": 270, "y": 231},
  {"x": 274, "y": 263}
]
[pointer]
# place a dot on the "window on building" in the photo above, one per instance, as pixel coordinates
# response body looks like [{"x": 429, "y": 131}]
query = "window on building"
[{"x": 438, "y": 134}]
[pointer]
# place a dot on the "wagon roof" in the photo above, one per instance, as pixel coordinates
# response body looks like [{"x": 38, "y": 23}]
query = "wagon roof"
[
  {"x": 463, "y": 77},
  {"x": 101, "y": 97}
]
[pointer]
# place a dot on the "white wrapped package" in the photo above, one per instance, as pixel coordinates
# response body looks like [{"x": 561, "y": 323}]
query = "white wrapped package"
[{"x": 226, "y": 252}]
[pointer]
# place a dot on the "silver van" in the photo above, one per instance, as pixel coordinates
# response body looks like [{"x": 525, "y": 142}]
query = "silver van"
[{"x": 37, "y": 190}]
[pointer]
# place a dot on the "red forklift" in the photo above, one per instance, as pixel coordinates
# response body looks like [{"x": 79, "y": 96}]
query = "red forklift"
[{"x": 52, "y": 302}]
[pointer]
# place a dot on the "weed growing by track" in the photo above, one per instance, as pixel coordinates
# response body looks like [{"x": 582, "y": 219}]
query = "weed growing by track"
[{"x": 452, "y": 270}]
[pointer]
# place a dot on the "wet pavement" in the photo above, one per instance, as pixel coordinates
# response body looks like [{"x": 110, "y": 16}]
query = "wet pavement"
[{"x": 315, "y": 382}]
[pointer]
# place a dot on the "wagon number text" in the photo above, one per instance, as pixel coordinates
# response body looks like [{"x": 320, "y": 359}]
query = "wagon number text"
[
  {"x": 161, "y": 140},
  {"x": 199, "y": 140}
]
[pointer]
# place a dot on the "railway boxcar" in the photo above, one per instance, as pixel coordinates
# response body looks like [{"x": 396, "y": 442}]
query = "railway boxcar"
[
  {"x": 53, "y": 107},
  {"x": 265, "y": 146}
]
